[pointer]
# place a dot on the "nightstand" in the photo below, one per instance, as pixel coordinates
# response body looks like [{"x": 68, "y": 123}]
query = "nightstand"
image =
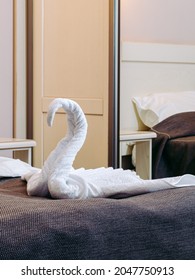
[
  {"x": 22, "y": 148},
  {"x": 143, "y": 142}
]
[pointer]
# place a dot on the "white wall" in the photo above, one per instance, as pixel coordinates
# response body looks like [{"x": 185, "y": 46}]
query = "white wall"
[
  {"x": 160, "y": 21},
  {"x": 6, "y": 68},
  {"x": 7, "y": 27}
]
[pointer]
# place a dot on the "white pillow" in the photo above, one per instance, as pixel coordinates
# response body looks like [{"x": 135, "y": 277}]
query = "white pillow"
[
  {"x": 154, "y": 108},
  {"x": 14, "y": 167}
]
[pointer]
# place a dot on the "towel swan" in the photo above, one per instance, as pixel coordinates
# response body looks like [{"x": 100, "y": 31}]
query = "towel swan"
[
  {"x": 58, "y": 179},
  {"x": 55, "y": 171}
]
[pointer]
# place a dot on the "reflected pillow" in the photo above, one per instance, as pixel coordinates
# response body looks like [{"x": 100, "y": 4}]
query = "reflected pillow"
[{"x": 154, "y": 108}]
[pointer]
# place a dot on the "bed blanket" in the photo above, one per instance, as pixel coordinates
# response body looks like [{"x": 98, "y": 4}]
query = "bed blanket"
[
  {"x": 158, "y": 225},
  {"x": 173, "y": 151}
]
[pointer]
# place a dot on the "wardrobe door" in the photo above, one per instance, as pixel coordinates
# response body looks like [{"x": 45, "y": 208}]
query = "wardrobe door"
[{"x": 71, "y": 60}]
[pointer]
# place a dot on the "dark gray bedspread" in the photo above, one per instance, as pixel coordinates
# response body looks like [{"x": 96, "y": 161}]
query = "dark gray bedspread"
[{"x": 158, "y": 225}]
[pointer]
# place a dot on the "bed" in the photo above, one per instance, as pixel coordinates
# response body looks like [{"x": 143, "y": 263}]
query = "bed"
[
  {"x": 144, "y": 226},
  {"x": 159, "y": 225},
  {"x": 172, "y": 117},
  {"x": 158, "y": 94}
]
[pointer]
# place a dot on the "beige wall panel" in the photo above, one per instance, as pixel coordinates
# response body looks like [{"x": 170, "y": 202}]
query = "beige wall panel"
[
  {"x": 71, "y": 61},
  {"x": 37, "y": 82},
  {"x": 92, "y": 154},
  {"x": 75, "y": 48}
]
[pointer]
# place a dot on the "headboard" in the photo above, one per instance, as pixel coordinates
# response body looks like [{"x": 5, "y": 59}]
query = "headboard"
[{"x": 152, "y": 68}]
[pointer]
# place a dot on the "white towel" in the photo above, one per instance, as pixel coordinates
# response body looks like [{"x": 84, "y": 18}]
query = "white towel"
[
  {"x": 10, "y": 167},
  {"x": 60, "y": 180},
  {"x": 58, "y": 165},
  {"x": 109, "y": 182}
]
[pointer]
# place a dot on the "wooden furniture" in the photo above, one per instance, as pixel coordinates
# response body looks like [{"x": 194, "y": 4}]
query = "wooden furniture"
[
  {"x": 22, "y": 148},
  {"x": 143, "y": 142},
  {"x": 71, "y": 60}
]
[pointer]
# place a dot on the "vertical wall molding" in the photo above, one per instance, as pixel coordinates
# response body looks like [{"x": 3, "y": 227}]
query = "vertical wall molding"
[
  {"x": 29, "y": 71},
  {"x": 19, "y": 71},
  {"x": 114, "y": 73}
]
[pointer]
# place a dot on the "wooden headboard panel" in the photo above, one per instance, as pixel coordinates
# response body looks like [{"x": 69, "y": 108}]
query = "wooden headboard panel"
[{"x": 152, "y": 68}]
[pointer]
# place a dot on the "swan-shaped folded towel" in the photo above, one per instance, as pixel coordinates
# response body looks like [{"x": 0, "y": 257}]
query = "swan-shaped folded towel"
[
  {"x": 60, "y": 180},
  {"x": 58, "y": 165}
]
